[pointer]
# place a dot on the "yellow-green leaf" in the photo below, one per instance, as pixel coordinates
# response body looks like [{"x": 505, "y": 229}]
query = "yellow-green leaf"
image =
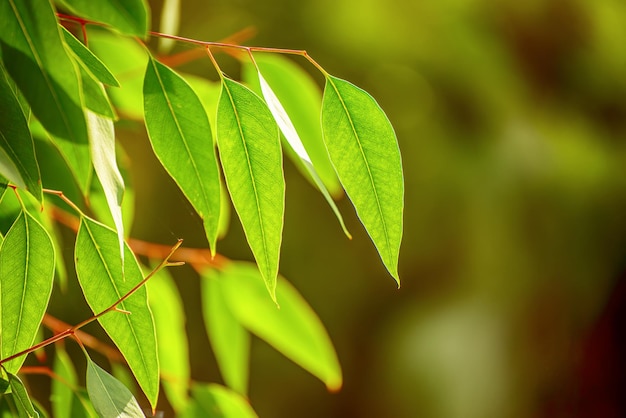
[
  {"x": 130, "y": 17},
  {"x": 110, "y": 398},
  {"x": 216, "y": 401},
  {"x": 23, "y": 404},
  {"x": 93, "y": 64}
]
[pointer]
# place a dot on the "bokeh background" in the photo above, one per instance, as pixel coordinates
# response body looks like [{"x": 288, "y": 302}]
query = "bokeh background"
[{"x": 511, "y": 119}]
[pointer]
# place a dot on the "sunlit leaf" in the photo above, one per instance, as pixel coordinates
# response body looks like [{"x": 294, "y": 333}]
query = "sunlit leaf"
[
  {"x": 102, "y": 142},
  {"x": 215, "y": 401},
  {"x": 251, "y": 157},
  {"x": 130, "y": 17},
  {"x": 363, "y": 148},
  {"x": 180, "y": 135},
  {"x": 294, "y": 329},
  {"x": 229, "y": 340},
  {"x": 110, "y": 398},
  {"x": 170, "y": 21},
  {"x": 100, "y": 275},
  {"x": 27, "y": 272},
  {"x": 23, "y": 403},
  {"x": 18, "y": 162},
  {"x": 209, "y": 94},
  {"x": 169, "y": 318},
  {"x": 90, "y": 60},
  {"x": 95, "y": 96}
]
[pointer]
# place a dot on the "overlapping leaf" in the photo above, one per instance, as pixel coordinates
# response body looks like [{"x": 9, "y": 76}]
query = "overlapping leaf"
[
  {"x": 110, "y": 398},
  {"x": 180, "y": 134},
  {"x": 249, "y": 147},
  {"x": 27, "y": 272},
  {"x": 23, "y": 402},
  {"x": 100, "y": 275},
  {"x": 230, "y": 341},
  {"x": 364, "y": 151},
  {"x": 95, "y": 66},
  {"x": 18, "y": 161},
  {"x": 68, "y": 400},
  {"x": 130, "y": 17},
  {"x": 294, "y": 329}
]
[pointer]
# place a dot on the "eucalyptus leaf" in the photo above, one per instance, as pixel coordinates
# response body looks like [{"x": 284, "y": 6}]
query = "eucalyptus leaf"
[
  {"x": 23, "y": 404},
  {"x": 27, "y": 262},
  {"x": 130, "y": 17},
  {"x": 215, "y": 401},
  {"x": 251, "y": 158},
  {"x": 180, "y": 135},
  {"x": 110, "y": 398},
  {"x": 364, "y": 151},
  {"x": 93, "y": 64},
  {"x": 62, "y": 391},
  {"x": 103, "y": 283},
  {"x": 95, "y": 96}
]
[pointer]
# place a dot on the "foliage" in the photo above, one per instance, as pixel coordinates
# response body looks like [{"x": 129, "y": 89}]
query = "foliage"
[{"x": 62, "y": 88}]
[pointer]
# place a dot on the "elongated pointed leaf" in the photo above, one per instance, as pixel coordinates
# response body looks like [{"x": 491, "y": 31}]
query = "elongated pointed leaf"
[
  {"x": 93, "y": 64},
  {"x": 18, "y": 162},
  {"x": 180, "y": 134},
  {"x": 249, "y": 147},
  {"x": 230, "y": 341},
  {"x": 216, "y": 401},
  {"x": 169, "y": 317},
  {"x": 363, "y": 148},
  {"x": 23, "y": 403},
  {"x": 67, "y": 398},
  {"x": 294, "y": 329},
  {"x": 95, "y": 96},
  {"x": 27, "y": 272},
  {"x": 110, "y": 398},
  {"x": 35, "y": 57},
  {"x": 130, "y": 17},
  {"x": 102, "y": 141},
  {"x": 100, "y": 275},
  {"x": 292, "y": 137}
]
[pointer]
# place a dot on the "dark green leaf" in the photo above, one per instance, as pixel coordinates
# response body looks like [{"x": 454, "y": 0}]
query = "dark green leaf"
[
  {"x": 294, "y": 329},
  {"x": 27, "y": 272},
  {"x": 96, "y": 98},
  {"x": 18, "y": 162},
  {"x": 90, "y": 60},
  {"x": 229, "y": 339},
  {"x": 363, "y": 148},
  {"x": 100, "y": 275},
  {"x": 109, "y": 397},
  {"x": 23, "y": 403},
  {"x": 169, "y": 317},
  {"x": 130, "y": 17},
  {"x": 251, "y": 157},
  {"x": 180, "y": 134}
]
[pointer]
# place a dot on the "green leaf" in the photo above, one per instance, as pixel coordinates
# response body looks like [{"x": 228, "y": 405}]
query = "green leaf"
[
  {"x": 363, "y": 148},
  {"x": 230, "y": 341},
  {"x": 109, "y": 397},
  {"x": 27, "y": 272},
  {"x": 35, "y": 57},
  {"x": 170, "y": 21},
  {"x": 215, "y": 401},
  {"x": 95, "y": 96},
  {"x": 62, "y": 391},
  {"x": 294, "y": 329},
  {"x": 169, "y": 318},
  {"x": 20, "y": 396},
  {"x": 91, "y": 62},
  {"x": 100, "y": 275},
  {"x": 18, "y": 162},
  {"x": 102, "y": 141},
  {"x": 180, "y": 134},
  {"x": 130, "y": 17},
  {"x": 249, "y": 147}
]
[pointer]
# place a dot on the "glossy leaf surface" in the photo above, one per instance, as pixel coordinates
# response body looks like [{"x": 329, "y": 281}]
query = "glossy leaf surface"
[
  {"x": 27, "y": 272},
  {"x": 95, "y": 66},
  {"x": 363, "y": 148},
  {"x": 110, "y": 398},
  {"x": 100, "y": 275},
  {"x": 249, "y": 147},
  {"x": 130, "y": 17},
  {"x": 181, "y": 137},
  {"x": 294, "y": 329}
]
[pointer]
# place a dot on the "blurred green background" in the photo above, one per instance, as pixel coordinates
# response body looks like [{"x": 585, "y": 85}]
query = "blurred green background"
[{"x": 511, "y": 119}]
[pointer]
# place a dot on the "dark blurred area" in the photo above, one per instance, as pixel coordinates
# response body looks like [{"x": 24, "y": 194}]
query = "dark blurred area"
[{"x": 511, "y": 119}]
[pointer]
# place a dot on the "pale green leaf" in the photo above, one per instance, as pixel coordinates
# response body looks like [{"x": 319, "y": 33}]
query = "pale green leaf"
[
  {"x": 93, "y": 64},
  {"x": 95, "y": 96},
  {"x": 110, "y": 398},
  {"x": 250, "y": 153},
  {"x": 216, "y": 401},
  {"x": 294, "y": 329},
  {"x": 103, "y": 283},
  {"x": 170, "y": 21},
  {"x": 363, "y": 148},
  {"x": 102, "y": 144},
  {"x": 180, "y": 135},
  {"x": 18, "y": 161},
  {"x": 169, "y": 318},
  {"x": 27, "y": 272},
  {"x": 130, "y": 17},
  {"x": 62, "y": 391},
  {"x": 230, "y": 341},
  {"x": 23, "y": 403}
]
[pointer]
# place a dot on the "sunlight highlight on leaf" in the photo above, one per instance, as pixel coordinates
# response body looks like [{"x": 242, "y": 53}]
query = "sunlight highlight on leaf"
[{"x": 110, "y": 398}]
